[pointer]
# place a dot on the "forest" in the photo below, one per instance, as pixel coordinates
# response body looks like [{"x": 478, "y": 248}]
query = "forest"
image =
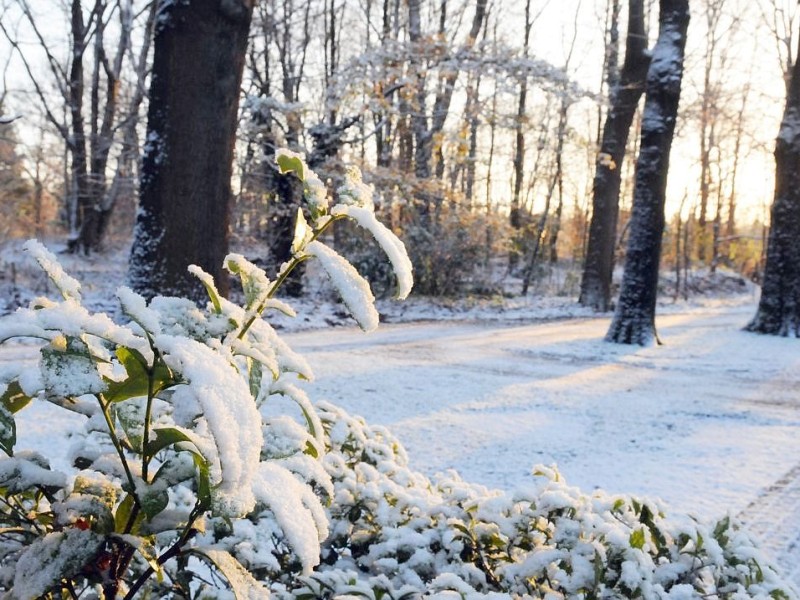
[{"x": 203, "y": 162}]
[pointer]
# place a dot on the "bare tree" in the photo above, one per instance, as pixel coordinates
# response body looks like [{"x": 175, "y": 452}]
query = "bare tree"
[
  {"x": 88, "y": 130},
  {"x": 634, "y": 318},
  {"x": 625, "y": 95}
]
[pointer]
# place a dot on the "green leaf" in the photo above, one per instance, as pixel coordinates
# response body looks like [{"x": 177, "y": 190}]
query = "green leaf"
[
  {"x": 255, "y": 376},
  {"x": 137, "y": 381},
  {"x": 123, "y": 515},
  {"x": 163, "y": 437},
  {"x": 154, "y": 500},
  {"x": 311, "y": 450},
  {"x": 291, "y": 164},
  {"x": 203, "y": 482},
  {"x": 243, "y": 585},
  {"x": 637, "y": 539},
  {"x": 14, "y": 399}
]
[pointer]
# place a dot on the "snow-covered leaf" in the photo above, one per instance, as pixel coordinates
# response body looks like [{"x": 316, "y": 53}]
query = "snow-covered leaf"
[
  {"x": 228, "y": 433},
  {"x": 395, "y": 249},
  {"x": 69, "y": 369},
  {"x": 243, "y": 584},
  {"x": 352, "y": 287},
  {"x": 70, "y": 288},
  {"x": 48, "y": 560},
  {"x": 255, "y": 283},
  {"x": 290, "y": 162},
  {"x": 297, "y": 510},
  {"x": 208, "y": 282}
]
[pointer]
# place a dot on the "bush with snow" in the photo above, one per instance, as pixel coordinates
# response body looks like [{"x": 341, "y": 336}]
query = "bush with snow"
[
  {"x": 177, "y": 448},
  {"x": 397, "y": 534},
  {"x": 189, "y": 481}
]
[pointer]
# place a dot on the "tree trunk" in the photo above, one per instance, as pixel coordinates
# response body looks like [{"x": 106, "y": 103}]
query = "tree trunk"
[
  {"x": 184, "y": 212},
  {"x": 514, "y": 216},
  {"x": 597, "y": 272},
  {"x": 634, "y": 319},
  {"x": 79, "y": 200},
  {"x": 779, "y": 307}
]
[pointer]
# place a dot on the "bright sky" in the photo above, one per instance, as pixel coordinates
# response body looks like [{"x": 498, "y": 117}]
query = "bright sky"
[{"x": 752, "y": 58}]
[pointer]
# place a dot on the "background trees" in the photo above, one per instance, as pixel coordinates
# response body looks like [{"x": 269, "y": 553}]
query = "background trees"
[
  {"x": 626, "y": 88},
  {"x": 80, "y": 88},
  {"x": 480, "y": 125}
]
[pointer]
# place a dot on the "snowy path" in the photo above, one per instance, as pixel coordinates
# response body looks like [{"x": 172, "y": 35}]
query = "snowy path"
[{"x": 710, "y": 422}]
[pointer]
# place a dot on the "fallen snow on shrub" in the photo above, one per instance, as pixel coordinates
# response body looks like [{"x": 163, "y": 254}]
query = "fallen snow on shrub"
[{"x": 188, "y": 480}]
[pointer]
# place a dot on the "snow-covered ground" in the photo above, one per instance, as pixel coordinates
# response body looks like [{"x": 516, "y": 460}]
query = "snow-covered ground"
[{"x": 709, "y": 422}]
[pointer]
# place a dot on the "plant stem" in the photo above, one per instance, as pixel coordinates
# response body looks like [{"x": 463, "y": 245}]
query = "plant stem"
[
  {"x": 296, "y": 260},
  {"x": 71, "y": 589},
  {"x": 112, "y": 433},
  {"x": 148, "y": 414},
  {"x": 188, "y": 533}
]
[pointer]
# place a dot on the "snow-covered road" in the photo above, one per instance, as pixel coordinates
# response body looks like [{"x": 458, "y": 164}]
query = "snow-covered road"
[{"x": 709, "y": 422}]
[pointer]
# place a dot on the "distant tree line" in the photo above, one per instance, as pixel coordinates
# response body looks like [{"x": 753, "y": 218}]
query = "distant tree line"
[{"x": 481, "y": 151}]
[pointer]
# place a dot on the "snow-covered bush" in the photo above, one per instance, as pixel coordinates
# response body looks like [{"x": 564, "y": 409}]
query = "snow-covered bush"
[
  {"x": 397, "y": 534},
  {"x": 189, "y": 480},
  {"x": 179, "y": 454}
]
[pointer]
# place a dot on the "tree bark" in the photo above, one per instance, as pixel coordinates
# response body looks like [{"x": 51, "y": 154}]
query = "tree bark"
[
  {"x": 779, "y": 307},
  {"x": 634, "y": 319},
  {"x": 625, "y": 95},
  {"x": 185, "y": 199}
]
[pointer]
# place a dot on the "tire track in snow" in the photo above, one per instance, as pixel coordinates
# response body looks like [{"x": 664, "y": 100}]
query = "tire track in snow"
[{"x": 774, "y": 519}]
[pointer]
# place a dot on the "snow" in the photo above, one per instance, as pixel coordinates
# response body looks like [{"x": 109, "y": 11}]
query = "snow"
[
  {"x": 676, "y": 421},
  {"x": 231, "y": 416},
  {"x": 352, "y": 287},
  {"x": 708, "y": 422}
]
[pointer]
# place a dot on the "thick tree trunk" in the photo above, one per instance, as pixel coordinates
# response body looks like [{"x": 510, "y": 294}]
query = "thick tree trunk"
[
  {"x": 779, "y": 308},
  {"x": 597, "y": 271},
  {"x": 634, "y": 319},
  {"x": 184, "y": 212}
]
